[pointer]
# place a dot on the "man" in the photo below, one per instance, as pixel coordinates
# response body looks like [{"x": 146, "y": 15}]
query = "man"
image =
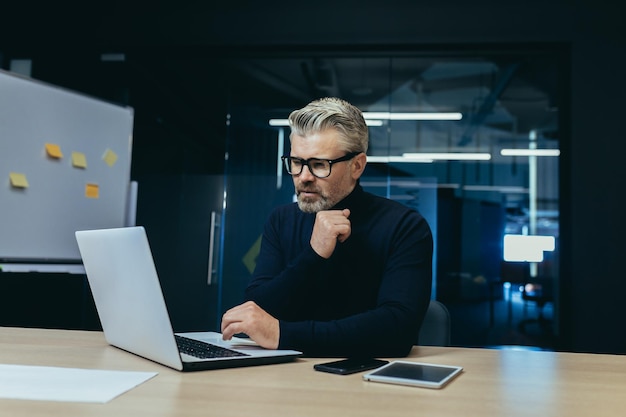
[{"x": 342, "y": 272}]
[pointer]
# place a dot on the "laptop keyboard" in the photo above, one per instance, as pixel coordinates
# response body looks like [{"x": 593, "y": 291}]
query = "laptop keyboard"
[{"x": 204, "y": 350}]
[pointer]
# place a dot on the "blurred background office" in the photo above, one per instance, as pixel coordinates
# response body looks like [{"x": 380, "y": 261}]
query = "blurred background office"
[{"x": 500, "y": 121}]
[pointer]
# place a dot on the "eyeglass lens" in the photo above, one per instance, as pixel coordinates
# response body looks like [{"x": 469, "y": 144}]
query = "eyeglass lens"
[{"x": 318, "y": 167}]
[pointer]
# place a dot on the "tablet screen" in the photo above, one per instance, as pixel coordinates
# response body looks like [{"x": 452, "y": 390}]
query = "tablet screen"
[{"x": 412, "y": 371}]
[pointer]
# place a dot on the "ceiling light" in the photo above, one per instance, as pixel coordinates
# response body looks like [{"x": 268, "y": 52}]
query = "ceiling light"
[
  {"x": 279, "y": 122},
  {"x": 530, "y": 152},
  {"x": 387, "y": 159},
  {"x": 376, "y": 118},
  {"x": 449, "y": 156},
  {"x": 497, "y": 188},
  {"x": 413, "y": 116},
  {"x": 285, "y": 122}
]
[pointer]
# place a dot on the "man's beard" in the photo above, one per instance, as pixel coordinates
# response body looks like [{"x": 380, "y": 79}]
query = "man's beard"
[
  {"x": 309, "y": 206},
  {"x": 322, "y": 202}
]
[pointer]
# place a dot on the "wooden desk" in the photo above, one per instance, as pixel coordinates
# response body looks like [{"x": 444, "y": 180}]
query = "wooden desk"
[{"x": 495, "y": 383}]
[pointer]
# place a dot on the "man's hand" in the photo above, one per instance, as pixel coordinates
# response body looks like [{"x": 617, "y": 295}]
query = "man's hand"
[
  {"x": 331, "y": 226},
  {"x": 252, "y": 320}
]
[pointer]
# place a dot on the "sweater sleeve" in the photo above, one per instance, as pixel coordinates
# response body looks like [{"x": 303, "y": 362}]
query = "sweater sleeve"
[{"x": 279, "y": 281}]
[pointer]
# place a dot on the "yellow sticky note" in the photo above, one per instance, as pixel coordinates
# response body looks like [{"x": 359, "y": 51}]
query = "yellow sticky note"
[
  {"x": 53, "y": 150},
  {"x": 92, "y": 191},
  {"x": 109, "y": 157},
  {"x": 79, "y": 160},
  {"x": 18, "y": 180}
]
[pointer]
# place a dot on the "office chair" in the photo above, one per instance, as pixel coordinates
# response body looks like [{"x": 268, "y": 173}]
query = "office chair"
[
  {"x": 537, "y": 290},
  {"x": 435, "y": 330}
]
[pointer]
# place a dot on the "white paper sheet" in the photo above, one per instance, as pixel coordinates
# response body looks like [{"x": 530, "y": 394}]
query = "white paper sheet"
[{"x": 66, "y": 384}]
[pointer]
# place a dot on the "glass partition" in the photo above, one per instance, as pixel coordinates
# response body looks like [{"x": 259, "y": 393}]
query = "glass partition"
[{"x": 470, "y": 139}]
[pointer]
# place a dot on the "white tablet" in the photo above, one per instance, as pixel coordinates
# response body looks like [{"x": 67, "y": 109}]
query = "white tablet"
[{"x": 413, "y": 373}]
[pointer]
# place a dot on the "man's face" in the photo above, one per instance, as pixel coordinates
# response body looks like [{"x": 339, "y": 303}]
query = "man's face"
[{"x": 317, "y": 194}]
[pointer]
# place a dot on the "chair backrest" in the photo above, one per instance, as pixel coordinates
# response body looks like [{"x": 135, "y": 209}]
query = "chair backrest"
[{"x": 435, "y": 330}]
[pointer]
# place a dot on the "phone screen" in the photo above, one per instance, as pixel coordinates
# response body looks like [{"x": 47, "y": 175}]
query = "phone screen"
[{"x": 349, "y": 366}]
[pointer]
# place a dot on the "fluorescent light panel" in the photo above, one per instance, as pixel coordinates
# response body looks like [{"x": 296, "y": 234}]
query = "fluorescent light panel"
[
  {"x": 285, "y": 122},
  {"x": 400, "y": 159},
  {"x": 496, "y": 188},
  {"x": 460, "y": 156},
  {"x": 413, "y": 116},
  {"x": 530, "y": 152},
  {"x": 376, "y": 118},
  {"x": 449, "y": 156}
]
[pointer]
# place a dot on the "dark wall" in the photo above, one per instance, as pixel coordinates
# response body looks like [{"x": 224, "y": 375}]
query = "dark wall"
[
  {"x": 593, "y": 295},
  {"x": 53, "y": 300}
]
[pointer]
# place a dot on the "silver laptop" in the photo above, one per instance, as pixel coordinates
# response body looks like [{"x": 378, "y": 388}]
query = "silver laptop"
[{"x": 129, "y": 300}]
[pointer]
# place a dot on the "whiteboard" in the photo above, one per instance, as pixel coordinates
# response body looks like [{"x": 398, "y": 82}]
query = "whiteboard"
[{"x": 45, "y": 196}]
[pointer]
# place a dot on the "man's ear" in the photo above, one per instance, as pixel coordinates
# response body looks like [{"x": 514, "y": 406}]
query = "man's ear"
[{"x": 358, "y": 165}]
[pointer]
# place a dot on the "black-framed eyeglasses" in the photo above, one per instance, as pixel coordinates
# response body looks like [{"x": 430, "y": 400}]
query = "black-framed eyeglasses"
[{"x": 320, "y": 168}]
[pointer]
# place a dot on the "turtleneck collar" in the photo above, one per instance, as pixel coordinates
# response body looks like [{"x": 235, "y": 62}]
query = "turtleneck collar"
[{"x": 352, "y": 200}]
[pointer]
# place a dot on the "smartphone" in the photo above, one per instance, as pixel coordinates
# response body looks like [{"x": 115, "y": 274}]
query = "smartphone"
[
  {"x": 350, "y": 365},
  {"x": 413, "y": 373}
]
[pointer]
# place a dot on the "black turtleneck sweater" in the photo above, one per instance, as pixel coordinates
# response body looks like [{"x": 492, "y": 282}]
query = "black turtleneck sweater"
[{"x": 368, "y": 299}]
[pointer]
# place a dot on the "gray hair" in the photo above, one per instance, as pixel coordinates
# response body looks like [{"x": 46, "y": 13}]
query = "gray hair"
[{"x": 332, "y": 113}]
